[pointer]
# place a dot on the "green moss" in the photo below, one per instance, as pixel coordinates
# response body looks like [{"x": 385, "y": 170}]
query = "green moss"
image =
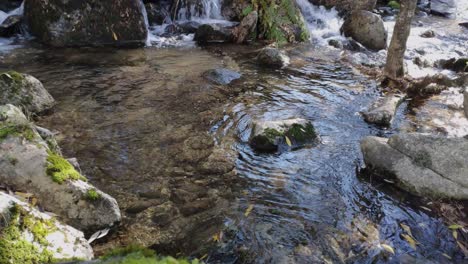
[
  {"x": 93, "y": 195},
  {"x": 247, "y": 10},
  {"x": 14, "y": 248},
  {"x": 301, "y": 133},
  {"x": 394, "y": 4},
  {"x": 13, "y": 79},
  {"x": 16, "y": 130},
  {"x": 60, "y": 169},
  {"x": 135, "y": 254}
]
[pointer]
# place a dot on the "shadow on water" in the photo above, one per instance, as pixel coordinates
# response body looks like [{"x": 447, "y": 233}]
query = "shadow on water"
[{"x": 138, "y": 122}]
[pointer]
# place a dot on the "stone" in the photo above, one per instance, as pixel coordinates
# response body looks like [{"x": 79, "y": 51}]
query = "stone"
[
  {"x": 272, "y": 57},
  {"x": 335, "y": 43},
  {"x": 11, "y": 26},
  {"x": 63, "y": 23},
  {"x": 24, "y": 91},
  {"x": 366, "y": 28},
  {"x": 268, "y": 136},
  {"x": 447, "y": 8},
  {"x": 454, "y": 64},
  {"x": 213, "y": 33},
  {"x": 381, "y": 112},
  {"x": 463, "y": 24},
  {"x": 221, "y": 76},
  {"x": 9, "y": 5},
  {"x": 27, "y": 164},
  {"x": 38, "y": 232},
  {"x": 347, "y": 5},
  {"x": 424, "y": 165},
  {"x": 246, "y": 29},
  {"x": 428, "y": 34},
  {"x": 465, "y": 103},
  {"x": 157, "y": 14}
]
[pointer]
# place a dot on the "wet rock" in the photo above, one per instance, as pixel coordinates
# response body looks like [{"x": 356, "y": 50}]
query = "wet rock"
[
  {"x": 353, "y": 45},
  {"x": 9, "y": 5},
  {"x": 272, "y": 57},
  {"x": 188, "y": 27},
  {"x": 381, "y": 112},
  {"x": 26, "y": 242},
  {"x": 366, "y": 28},
  {"x": 454, "y": 64},
  {"x": 464, "y": 24},
  {"x": 63, "y": 23},
  {"x": 347, "y": 5},
  {"x": 24, "y": 91},
  {"x": 465, "y": 102},
  {"x": 335, "y": 43},
  {"x": 221, "y": 76},
  {"x": 419, "y": 61},
  {"x": 247, "y": 28},
  {"x": 428, "y": 34},
  {"x": 269, "y": 135},
  {"x": 213, "y": 33},
  {"x": 447, "y": 8},
  {"x": 196, "y": 206},
  {"x": 11, "y": 26},
  {"x": 138, "y": 207},
  {"x": 157, "y": 14},
  {"x": 27, "y": 164},
  {"x": 425, "y": 165}
]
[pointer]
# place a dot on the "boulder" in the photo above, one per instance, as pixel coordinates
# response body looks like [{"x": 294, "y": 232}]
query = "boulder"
[
  {"x": 247, "y": 28},
  {"x": 11, "y": 26},
  {"x": 347, "y": 5},
  {"x": 272, "y": 57},
  {"x": 381, "y": 112},
  {"x": 221, "y": 76},
  {"x": 447, "y": 8},
  {"x": 28, "y": 164},
  {"x": 454, "y": 64},
  {"x": 213, "y": 33},
  {"x": 270, "y": 135},
  {"x": 366, "y": 28},
  {"x": 424, "y": 165},
  {"x": 24, "y": 91},
  {"x": 29, "y": 236},
  {"x": 428, "y": 34},
  {"x": 9, "y": 5},
  {"x": 465, "y": 102},
  {"x": 157, "y": 14},
  {"x": 463, "y": 24},
  {"x": 62, "y": 23}
]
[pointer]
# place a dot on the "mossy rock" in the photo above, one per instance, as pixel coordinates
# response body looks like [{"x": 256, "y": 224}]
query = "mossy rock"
[
  {"x": 135, "y": 254},
  {"x": 269, "y": 136}
]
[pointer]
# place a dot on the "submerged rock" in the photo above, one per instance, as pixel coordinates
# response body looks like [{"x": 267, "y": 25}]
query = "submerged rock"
[
  {"x": 222, "y": 76},
  {"x": 366, "y": 28},
  {"x": 11, "y": 26},
  {"x": 447, "y": 8},
  {"x": 247, "y": 28},
  {"x": 63, "y": 23},
  {"x": 28, "y": 164},
  {"x": 269, "y": 135},
  {"x": 425, "y": 165},
  {"x": 213, "y": 33},
  {"x": 272, "y": 57},
  {"x": 24, "y": 91},
  {"x": 381, "y": 112},
  {"x": 29, "y": 236}
]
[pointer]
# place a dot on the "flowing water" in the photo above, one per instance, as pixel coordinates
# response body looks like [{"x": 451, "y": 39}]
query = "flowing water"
[{"x": 173, "y": 149}]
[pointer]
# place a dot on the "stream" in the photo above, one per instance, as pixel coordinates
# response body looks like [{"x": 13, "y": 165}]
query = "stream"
[{"x": 148, "y": 129}]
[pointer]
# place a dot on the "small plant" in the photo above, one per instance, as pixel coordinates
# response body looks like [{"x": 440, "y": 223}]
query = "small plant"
[
  {"x": 394, "y": 4},
  {"x": 93, "y": 195},
  {"x": 60, "y": 169}
]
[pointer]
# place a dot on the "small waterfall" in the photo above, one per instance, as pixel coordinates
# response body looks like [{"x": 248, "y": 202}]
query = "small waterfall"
[
  {"x": 200, "y": 10},
  {"x": 17, "y": 11},
  {"x": 323, "y": 23},
  {"x": 145, "y": 15}
]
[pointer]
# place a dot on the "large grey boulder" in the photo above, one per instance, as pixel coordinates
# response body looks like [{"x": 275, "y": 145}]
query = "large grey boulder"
[
  {"x": 268, "y": 136},
  {"x": 63, "y": 23},
  {"x": 29, "y": 236},
  {"x": 24, "y": 91},
  {"x": 446, "y": 8},
  {"x": 273, "y": 57},
  {"x": 381, "y": 112},
  {"x": 29, "y": 165},
  {"x": 425, "y": 165},
  {"x": 366, "y": 28}
]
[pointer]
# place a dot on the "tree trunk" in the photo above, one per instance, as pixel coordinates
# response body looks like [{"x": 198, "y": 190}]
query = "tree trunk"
[{"x": 394, "y": 68}]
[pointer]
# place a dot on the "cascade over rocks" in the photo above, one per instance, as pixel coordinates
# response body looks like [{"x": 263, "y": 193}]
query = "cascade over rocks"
[
  {"x": 11, "y": 26},
  {"x": 40, "y": 235},
  {"x": 24, "y": 91},
  {"x": 28, "y": 164},
  {"x": 366, "y": 28},
  {"x": 62, "y": 23},
  {"x": 425, "y": 165}
]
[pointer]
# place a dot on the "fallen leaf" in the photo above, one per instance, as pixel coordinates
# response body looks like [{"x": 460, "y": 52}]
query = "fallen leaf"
[
  {"x": 114, "y": 35},
  {"x": 33, "y": 201},
  {"x": 7, "y": 75},
  {"x": 204, "y": 257},
  {"x": 455, "y": 227},
  {"x": 455, "y": 234},
  {"x": 388, "y": 248},
  {"x": 412, "y": 242},
  {"x": 425, "y": 208},
  {"x": 447, "y": 256},
  {"x": 288, "y": 141},
  {"x": 406, "y": 228},
  {"x": 249, "y": 210}
]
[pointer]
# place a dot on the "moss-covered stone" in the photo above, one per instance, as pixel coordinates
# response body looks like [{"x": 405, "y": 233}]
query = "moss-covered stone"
[
  {"x": 394, "y": 4},
  {"x": 135, "y": 254},
  {"x": 60, "y": 169},
  {"x": 9, "y": 129},
  {"x": 93, "y": 195},
  {"x": 14, "y": 248}
]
